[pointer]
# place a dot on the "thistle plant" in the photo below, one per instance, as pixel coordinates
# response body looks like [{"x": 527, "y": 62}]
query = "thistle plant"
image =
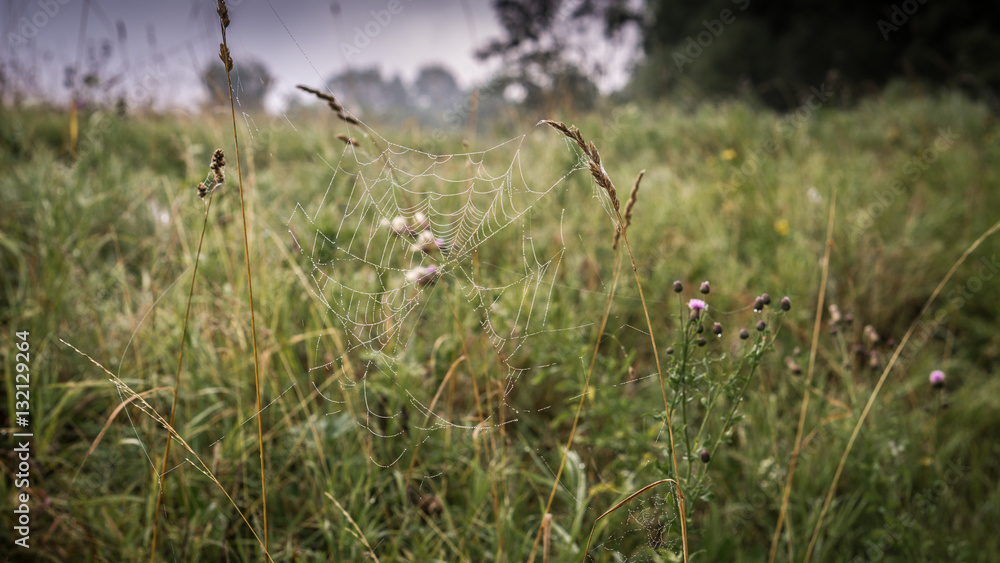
[{"x": 707, "y": 383}]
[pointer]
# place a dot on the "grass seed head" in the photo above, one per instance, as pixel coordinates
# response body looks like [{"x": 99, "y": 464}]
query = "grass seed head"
[{"x": 218, "y": 166}]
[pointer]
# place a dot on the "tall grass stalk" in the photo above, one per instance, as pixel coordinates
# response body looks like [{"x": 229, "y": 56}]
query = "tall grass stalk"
[
  {"x": 177, "y": 379},
  {"x": 814, "y": 346},
  {"x": 601, "y": 177},
  {"x": 129, "y": 395},
  {"x": 227, "y": 61}
]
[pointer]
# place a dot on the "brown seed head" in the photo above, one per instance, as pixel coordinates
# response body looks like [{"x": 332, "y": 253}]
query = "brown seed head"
[
  {"x": 223, "y": 11},
  {"x": 218, "y": 166},
  {"x": 633, "y": 196}
]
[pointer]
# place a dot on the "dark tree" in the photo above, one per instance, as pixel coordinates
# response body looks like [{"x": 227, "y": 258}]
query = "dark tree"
[
  {"x": 251, "y": 82},
  {"x": 435, "y": 87},
  {"x": 780, "y": 51},
  {"x": 365, "y": 91},
  {"x": 545, "y": 51},
  {"x": 784, "y": 48}
]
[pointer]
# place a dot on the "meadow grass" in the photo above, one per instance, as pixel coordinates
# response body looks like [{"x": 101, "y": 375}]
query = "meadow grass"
[{"x": 98, "y": 252}]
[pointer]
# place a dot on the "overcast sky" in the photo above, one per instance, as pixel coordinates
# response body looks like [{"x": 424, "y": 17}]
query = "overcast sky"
[{"x": 156, "y": 48}]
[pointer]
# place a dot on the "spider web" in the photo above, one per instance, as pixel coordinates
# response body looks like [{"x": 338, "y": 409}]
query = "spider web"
[
  {"x": 399, "y": 230},
  {"x": 405, "y": 249}
]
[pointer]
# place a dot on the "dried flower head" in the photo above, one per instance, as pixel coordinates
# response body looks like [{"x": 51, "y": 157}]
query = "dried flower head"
[
  {"x": 871, "y": 335},
  {"x": 834, "y": 314},
  {"x": 218, "y": 166},
  {"x": 398, "y": 226},
  {"x": 202, "y": 190},
  {"x": 420, "y": 222},
  {"x": 874, "y": 360},
  {"x": 425, "y": 243},
  {"x": 422, "y": 275}
]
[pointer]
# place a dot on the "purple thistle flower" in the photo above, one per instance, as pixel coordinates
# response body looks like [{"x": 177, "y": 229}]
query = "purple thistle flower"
[
  {"x": 696, "y": 306},
  {"x": 937, "y": 378}
]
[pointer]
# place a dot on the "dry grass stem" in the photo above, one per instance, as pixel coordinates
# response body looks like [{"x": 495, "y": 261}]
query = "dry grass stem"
[
  {"x": 130, "y": 396},
  {"x": 224, "y": 54},
  {"x": 817, "y": 325},
  {"x": 218, "y": 166},
  {"x": 357, "y": 529},
  {"x": 622, "y": 503},
  {"x": 546, "y": 537}
]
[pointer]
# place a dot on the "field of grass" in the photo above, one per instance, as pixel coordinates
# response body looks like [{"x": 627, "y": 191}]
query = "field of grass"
[{"x": 98, "y": 251}]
